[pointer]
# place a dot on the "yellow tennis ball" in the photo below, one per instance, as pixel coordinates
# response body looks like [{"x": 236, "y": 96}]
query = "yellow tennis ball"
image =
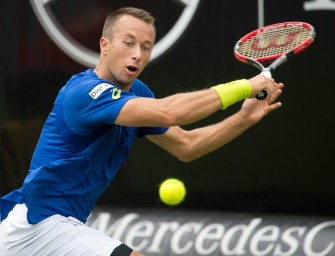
[{"x": 172, "y": 191}]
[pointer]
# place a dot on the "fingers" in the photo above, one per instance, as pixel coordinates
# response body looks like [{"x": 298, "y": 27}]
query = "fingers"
[
  {"x": 271, "y": 85},
  {"x": 277, "y": 91},
  {"x": 274, "y": 89},
  {"x": 260, "y": 82},
  {"x": 272, "y": 103},
  {"x": 272, "y": 107}
]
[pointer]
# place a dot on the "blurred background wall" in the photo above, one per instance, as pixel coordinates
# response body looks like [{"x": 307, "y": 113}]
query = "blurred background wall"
[{"x": 282, "y": 165}]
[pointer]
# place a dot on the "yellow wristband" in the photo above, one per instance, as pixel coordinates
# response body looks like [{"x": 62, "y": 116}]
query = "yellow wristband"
[{"x": 232, "y": 92}]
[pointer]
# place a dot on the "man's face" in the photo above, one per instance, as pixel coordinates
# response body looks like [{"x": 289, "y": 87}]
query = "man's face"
[{"x": 129, "y": 50}]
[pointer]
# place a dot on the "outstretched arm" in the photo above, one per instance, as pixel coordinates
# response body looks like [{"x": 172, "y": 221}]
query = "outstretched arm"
[
  {"x": 190, "y": 145},
  {"x": 184, "y": 108}
]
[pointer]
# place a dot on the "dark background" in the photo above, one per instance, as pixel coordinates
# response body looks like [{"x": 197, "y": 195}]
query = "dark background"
[{"x": 282, "y": 165}]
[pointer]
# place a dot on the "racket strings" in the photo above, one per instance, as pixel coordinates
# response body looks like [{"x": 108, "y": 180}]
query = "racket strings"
[{"x": 274, "y": 41}]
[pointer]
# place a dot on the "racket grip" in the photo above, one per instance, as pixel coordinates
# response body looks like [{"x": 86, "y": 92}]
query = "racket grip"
[{"x": 262, "y": 95}]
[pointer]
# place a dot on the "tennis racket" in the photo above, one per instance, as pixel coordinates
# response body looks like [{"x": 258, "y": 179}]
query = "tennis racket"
[{"x": 268, "y": 47}]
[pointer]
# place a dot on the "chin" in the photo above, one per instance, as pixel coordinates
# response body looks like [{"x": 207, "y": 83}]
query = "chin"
[{"x": 125, "y": 84}]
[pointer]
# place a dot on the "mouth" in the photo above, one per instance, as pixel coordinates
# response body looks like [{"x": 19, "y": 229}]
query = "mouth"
[{"x": 132, "y": 69}]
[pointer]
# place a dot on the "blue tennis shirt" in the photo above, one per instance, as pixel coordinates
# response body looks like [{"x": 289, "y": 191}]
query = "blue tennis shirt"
[{"x": 79, "y": 151}]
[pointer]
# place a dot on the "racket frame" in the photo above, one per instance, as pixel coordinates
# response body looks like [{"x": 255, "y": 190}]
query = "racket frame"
[{"x": 273, "y": 61}]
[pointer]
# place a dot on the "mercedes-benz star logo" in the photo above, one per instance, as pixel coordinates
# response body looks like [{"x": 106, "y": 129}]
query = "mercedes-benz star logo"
[{"x": 88, "y": 57}]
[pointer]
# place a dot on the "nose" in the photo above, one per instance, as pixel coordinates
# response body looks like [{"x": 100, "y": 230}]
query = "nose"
[{"x": 137, "y": 53}]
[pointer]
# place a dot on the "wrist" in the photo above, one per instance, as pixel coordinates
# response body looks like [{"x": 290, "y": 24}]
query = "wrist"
[
  {"x": 244, "y": 119},
  {"x": 232, "y": 92}
]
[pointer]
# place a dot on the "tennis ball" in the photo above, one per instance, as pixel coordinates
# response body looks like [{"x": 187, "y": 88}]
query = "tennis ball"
[{"x": 172, "y": 191}]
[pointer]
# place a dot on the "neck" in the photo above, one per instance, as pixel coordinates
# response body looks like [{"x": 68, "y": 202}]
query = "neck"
[{"x": 104, "y": 75}]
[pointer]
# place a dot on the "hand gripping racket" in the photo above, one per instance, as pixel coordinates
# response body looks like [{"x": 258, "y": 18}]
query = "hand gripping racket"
[{"x": 272, "y": 45}]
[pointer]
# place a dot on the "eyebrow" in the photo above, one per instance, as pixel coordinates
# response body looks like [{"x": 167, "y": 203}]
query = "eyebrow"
[{"x": 128, "y": 34}]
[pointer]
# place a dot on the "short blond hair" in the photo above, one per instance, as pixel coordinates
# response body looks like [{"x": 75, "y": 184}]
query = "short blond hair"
[{"x": 112, "y": 19}]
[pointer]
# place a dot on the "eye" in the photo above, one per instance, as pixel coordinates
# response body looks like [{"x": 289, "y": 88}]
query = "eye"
[
  {"x": 129, "y": 43},
  {"x": 146, "y": 48}
]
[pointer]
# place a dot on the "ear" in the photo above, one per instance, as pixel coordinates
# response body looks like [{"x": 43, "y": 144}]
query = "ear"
[{"x": 104, "y": 42}]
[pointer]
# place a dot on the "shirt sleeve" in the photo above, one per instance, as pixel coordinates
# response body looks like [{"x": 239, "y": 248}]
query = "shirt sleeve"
[{"x": 87, "y": 109}]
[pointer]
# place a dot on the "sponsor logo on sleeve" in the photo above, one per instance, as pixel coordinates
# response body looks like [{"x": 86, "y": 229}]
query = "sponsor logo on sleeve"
[{"x": 100, "y": 88}]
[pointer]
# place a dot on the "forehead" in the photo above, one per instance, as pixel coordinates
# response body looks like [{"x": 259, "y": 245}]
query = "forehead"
[{"x": 129, "y": 25}]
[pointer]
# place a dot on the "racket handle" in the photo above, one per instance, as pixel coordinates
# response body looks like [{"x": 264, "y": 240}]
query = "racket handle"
[
  {"x": 264, "y": 93},
  {"x": 266, "y": 73}
]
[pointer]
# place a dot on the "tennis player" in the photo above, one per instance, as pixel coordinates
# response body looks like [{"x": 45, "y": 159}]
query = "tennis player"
[{"x": 90, "y": 130}]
